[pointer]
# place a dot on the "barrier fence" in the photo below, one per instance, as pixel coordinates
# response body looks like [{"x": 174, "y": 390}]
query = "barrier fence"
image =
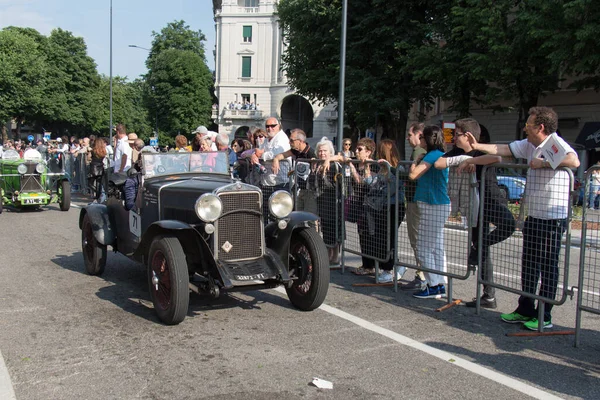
[
  {"x": 515, "y": 262},
  {"x": 363, "y": 211},
  {"x": 588, "y": 286}
]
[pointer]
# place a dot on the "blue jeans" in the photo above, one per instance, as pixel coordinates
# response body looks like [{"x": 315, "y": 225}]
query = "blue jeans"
[
  {"x": 593, "y": 194},
  {"x": 541, "y": 250}
]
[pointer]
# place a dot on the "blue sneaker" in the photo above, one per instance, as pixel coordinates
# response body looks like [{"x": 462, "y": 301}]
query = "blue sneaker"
[{"x": 435, "y": 292}]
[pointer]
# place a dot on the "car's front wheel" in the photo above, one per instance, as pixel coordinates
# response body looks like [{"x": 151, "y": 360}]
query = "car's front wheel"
[
  {"x": 309, "y": 267},
  {"x": 94, "y": 253},
  {"x": 168, "y": 279},
  {"x": 64, "y": 195}
]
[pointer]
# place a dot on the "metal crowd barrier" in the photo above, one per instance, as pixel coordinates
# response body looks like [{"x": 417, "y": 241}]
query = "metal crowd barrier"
[
  {"x": 456, "y": 232},
  {"x": 588, "y": 286},
  {"x": 318, "y": 191},
  {"x": 517, "y": 261}
]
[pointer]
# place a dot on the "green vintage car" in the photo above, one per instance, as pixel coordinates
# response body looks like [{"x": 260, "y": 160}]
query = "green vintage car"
[{"x": 32, "y": 181}]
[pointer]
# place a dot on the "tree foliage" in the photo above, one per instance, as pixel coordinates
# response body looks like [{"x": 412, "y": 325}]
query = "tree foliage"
[
  {"x": 484, "y": 52},
  {"x": 179, "y": 83},
  {"x": 22, "y": 76}
]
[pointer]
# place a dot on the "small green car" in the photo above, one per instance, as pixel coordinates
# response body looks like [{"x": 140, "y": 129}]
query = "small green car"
[{"x": 32, "y": 181}]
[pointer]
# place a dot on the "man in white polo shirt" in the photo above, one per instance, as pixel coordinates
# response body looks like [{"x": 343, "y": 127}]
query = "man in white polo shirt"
[
  {"x": 547, "y": 199},
  {"x": 123, "y": 152}
]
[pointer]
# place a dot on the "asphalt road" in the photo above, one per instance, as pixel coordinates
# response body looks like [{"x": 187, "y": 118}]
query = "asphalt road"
[{"x": 67, "y": 335}]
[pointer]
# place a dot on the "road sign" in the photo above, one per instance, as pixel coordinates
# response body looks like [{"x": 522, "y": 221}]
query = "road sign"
[
  {"x": 30, "y": 138},
  {"x": 448, "y": 128},
  {"x": 153, "y": 142},
  {"x": 46, "y": 135}
]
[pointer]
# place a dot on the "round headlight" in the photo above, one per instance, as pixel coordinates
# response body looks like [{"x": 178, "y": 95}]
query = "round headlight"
[
  {"x": 22, "y": 168},
  {"x": 281, "y": 204},
  {"x": 208, "y": 207},
  {"x": 40, "y": 168}
]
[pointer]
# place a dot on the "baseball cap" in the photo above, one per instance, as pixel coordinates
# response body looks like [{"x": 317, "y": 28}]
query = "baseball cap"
[
  {"x": 201, "y": 130},
  {"x": 59, "y": 140}
]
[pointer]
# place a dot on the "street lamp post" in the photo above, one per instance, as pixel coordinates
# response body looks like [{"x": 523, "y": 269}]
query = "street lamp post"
[
  {"x": 155, "y": 111},
  {"x": 110, "y": 129}
]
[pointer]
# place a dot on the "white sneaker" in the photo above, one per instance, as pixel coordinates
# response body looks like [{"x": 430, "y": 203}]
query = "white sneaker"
[
  {"x": 385, "y": 277},
  {"x": 400, "y": 272}
]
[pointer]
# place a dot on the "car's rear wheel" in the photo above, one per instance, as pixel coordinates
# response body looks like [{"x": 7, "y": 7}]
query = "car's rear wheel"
[
  {"x": 64, "y": 195},
  {"x": 168, "y": 279},
  {"x": 309, "y": 266},
  {"x": 94, "y": 253}
]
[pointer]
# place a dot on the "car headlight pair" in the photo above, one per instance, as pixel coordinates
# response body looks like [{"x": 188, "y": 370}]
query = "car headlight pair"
[
  {"x": 39, "y": 168},
  {"x": 209, "y": 206}
]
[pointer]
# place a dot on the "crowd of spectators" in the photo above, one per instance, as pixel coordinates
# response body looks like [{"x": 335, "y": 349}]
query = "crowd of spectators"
[{"x": 368, "y": 176}]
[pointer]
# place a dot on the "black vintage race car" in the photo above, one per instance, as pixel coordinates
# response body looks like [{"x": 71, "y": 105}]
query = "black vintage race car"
[{"x": 198, "y": 229}]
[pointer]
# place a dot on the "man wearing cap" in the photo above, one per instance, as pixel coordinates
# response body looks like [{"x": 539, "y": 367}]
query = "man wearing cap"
[
  {"x": 123, "y": 152},
  {"x": 202, "y": 131}
]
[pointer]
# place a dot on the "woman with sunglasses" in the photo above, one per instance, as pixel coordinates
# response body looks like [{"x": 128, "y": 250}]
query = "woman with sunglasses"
[
  {"x": 434, "y": 206},
  {"x": 362, "y": 176},
  {"x": 347, "y": 149}
]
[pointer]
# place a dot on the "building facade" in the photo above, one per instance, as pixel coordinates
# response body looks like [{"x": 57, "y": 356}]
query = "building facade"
[{"x": 249, "y": 81}]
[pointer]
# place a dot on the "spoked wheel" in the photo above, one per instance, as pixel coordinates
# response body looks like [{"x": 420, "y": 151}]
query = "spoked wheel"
[
  {"x": 64, "y": 195},
  {"x": 309, "y": 264},
  {"x": 94, "y": 253},
  {"x": 168, "y": 280}
]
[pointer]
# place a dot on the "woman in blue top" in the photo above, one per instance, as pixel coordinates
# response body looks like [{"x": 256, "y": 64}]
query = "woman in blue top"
[{"x": 434, "y": 206}]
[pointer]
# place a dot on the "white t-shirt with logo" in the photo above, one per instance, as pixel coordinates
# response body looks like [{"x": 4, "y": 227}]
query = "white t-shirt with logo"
[{"x": 547, "y": 191}]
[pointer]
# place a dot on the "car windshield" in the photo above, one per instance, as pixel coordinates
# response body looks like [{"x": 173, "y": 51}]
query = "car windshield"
[{"x": 157, "y": 164}]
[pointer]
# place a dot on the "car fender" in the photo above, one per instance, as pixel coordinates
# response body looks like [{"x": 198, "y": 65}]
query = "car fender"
[
  {"x": 104, "y": 232},
  {"x": 278, "y": 240},
  {"x": 195, "y": 247}
]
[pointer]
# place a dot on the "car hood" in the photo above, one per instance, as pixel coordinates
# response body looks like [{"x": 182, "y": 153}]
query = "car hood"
[{"x": 178, "y": 192}]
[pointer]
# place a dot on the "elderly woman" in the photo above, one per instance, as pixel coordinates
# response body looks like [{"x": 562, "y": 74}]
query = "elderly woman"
[{"x": 328, "y": 189}]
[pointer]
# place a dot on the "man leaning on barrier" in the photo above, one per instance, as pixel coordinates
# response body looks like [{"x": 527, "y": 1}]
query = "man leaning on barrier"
[
  {"x": 547, "y": 198},
  {"x": 306, "y": 199}
]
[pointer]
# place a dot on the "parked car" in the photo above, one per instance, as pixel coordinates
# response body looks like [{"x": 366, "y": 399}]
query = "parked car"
[
  {"x": 511, "y": 184},
  {"x": 32, "y": 181},
  {"x": 196, "y": 228}
]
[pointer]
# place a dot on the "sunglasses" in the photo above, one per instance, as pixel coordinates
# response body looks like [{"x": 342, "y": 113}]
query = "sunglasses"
[
  {"x": 360, "y": 148},
  {"x": 271, "y": 126},
  {"x": 347, "y": 144}
]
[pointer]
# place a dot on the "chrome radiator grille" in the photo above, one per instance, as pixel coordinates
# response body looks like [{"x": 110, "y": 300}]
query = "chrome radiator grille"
[
  {"x": 31, "y": 181},
  {"x": 241, "y": 232}
]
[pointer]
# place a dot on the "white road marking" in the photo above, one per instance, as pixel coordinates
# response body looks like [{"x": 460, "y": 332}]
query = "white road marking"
[
  {"x": 6, "y": 389},
  {"x": 440, "y": 354}
]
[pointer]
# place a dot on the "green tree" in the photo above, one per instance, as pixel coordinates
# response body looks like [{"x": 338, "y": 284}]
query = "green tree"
[
  {"x": 22, "y": 76},
  {"x": 179, "y": 85},
  {"x": 382, "y": 39},
  {"x": 577, "y": 49}
]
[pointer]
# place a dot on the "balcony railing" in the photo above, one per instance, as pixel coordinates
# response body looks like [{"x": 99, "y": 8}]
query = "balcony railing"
[{"x": 237, "y": 114}]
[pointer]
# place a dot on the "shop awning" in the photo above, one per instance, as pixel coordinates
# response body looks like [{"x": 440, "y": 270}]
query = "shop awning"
[{"x": 589, "y": 135}]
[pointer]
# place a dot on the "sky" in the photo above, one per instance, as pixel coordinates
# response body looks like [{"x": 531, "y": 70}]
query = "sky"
[{"x": 132, "y": 23}]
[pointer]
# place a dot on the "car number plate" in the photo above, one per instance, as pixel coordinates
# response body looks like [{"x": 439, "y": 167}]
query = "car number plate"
[{"x": 32, "y": 201}]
